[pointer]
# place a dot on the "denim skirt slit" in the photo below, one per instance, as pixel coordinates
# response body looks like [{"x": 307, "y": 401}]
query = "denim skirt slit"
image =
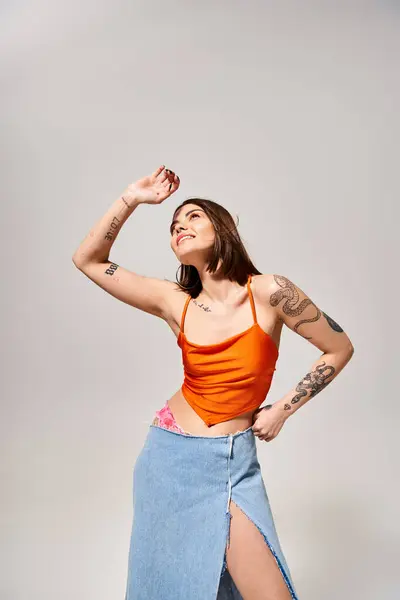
[{"x": 182, "y": 487}]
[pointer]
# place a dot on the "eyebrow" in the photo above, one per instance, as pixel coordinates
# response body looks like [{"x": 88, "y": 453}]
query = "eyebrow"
[{"x": 187, "y": 214}]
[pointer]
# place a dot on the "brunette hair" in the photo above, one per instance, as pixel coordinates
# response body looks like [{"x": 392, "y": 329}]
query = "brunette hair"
[{"x": 228, "y": 248}]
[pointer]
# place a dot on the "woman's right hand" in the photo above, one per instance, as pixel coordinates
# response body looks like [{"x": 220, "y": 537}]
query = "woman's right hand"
[{"x": 154, "y": 188}]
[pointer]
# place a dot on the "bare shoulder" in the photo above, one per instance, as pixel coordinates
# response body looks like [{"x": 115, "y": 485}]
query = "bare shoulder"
[
  {"x": 278, "y": 293},
  {"x": 270, "y": 286},
  {"x": 264, "y": 285}
]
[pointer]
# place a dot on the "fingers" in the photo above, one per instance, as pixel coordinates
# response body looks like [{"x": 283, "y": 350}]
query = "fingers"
[
  {"x": 171, "y": 181},
  {"x": 158, "y": 171},
  {"x": 164, "y": 176},
  {"x": 162, "y": 173},
  {"x": 260, "y": 436},
  {"x": 175, "y": 183}
]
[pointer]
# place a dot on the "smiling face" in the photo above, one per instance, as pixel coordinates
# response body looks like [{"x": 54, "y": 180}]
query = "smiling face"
[{"x": 191, "y": 220}]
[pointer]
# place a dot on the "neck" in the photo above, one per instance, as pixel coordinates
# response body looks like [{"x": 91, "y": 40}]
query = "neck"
[{"x": 220, "y": 291}]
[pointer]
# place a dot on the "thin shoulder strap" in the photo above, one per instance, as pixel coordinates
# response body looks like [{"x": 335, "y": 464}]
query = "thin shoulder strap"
[
  {"x": 184, "y": 311},
  {"x": 253, "y": 307}
]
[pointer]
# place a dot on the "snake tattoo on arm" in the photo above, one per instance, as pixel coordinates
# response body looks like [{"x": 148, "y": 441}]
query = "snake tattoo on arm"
[
  {"x": 316, "y": 380},
  {"x": 313, "y": 382},
  {"x": 291, "y": 296}
]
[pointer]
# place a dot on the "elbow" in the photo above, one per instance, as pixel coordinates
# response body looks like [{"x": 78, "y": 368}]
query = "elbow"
[
  {"x": 344, "y": 353},
  {"x": 80, "y": 257},
  {"x": 76, "y": 261}
]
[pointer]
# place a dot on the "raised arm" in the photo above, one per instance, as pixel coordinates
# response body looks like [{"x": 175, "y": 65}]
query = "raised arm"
[{"x": 92, "y": 256}]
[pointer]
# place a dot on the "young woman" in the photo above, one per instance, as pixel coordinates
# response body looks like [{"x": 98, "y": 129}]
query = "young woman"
[{"x": 203, "y": 527}]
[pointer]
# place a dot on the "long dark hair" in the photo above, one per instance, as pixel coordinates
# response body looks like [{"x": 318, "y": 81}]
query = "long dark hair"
[{"x": 228, "y": 248}]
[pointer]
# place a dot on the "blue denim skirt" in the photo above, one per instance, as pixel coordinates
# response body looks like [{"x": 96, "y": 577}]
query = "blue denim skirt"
[{"x": 182, "y": 486}]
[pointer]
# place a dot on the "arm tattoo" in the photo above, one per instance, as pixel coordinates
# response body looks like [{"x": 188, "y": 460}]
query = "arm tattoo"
[
  {"x": 111, "y": 269},
  {"x": 125, "y": 202},
  {"x": 313, "y": 382},
  {"x": 291, "y": 296},
  {"x": 332, "y": 323},
  {"x": 113, "y": 226}
]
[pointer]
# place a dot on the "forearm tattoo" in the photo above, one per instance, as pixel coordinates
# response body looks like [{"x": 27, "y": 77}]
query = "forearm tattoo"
[
  {"x": 113, "y": 228},
  {"x": 313, "y": 382},
  {"x": 111, "y": 269}
]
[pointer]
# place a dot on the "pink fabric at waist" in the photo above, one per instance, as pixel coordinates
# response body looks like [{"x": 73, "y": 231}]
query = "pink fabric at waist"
[{"x": 165, "y": 419}]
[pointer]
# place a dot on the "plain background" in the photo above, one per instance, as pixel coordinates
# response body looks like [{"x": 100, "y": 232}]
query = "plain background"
[{"x": 287, "y": 113}]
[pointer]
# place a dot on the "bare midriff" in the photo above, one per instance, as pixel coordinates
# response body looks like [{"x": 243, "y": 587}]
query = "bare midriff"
[
  {"x": 185, "y": 416},
  {"x": 192, "y": 423}
]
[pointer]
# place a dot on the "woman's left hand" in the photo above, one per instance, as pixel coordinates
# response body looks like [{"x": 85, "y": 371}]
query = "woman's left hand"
[{"x": 267, "y": 422}]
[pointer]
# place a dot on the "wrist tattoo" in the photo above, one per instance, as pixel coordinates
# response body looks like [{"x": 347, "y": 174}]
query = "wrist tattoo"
[{"x": 123, "y": 200}]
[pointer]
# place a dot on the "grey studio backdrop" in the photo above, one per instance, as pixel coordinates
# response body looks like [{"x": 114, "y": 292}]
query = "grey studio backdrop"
[{"x": 287, "y": 114}]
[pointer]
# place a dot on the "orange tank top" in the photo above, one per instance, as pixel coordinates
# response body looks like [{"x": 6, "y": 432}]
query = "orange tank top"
[{"x": 227, "y": 379}]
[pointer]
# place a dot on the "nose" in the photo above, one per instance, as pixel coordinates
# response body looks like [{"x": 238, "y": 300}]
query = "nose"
[{"x": 180, "y": 229}]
